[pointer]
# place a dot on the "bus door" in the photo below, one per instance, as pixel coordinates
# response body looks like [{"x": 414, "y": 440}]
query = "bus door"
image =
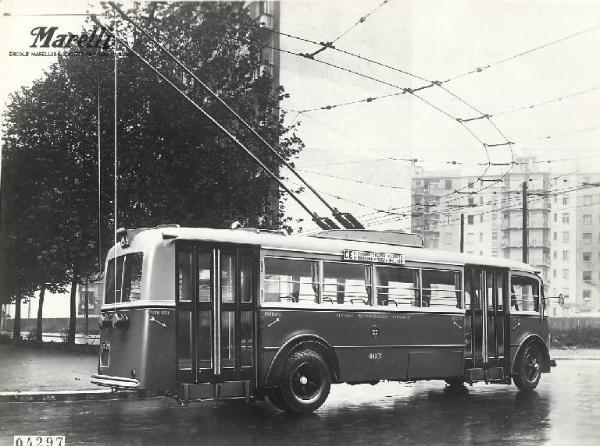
[
  {"x": 486, "y": 319},
  {"x": 216, "y": 289}
]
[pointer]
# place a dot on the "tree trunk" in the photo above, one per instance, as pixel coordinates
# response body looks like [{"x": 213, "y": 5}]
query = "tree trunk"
[
  {"x": 38, "y": 330},
  {"x": 17, "y": 321},
  {"x": 73, "y": 312}
]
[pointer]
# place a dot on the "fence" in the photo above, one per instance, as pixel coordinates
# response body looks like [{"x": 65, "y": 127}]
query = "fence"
[{"x": 560, "y": 324}]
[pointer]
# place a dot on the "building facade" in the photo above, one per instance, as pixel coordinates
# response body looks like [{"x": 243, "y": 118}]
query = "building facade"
[{"x": 563, "y": 220}]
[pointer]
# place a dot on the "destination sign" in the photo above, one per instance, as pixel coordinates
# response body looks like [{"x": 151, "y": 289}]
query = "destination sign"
[{"x": 374, "y": 257}]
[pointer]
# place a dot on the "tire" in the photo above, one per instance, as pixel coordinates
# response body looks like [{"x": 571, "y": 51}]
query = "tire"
[
  {"x": 528, "y": 368},
  {"x": 305, "y": 382},
  {"x": 276, "y": 399},
  {"x": 455, "y": 381}
]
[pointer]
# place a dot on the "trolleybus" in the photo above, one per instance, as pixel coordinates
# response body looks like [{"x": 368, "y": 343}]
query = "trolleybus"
[{"x": 240, "y": 313}]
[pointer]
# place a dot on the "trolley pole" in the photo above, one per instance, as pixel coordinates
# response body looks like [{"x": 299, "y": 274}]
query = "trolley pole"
[
  {"x": 462, "y": 232},
  {"x": 525, "y": 226}
]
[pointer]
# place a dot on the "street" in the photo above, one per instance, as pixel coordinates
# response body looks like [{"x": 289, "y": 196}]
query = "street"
[{"x": 563, "y": 410}]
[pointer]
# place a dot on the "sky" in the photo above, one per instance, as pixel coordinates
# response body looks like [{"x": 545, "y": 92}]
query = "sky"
[{"x": 350, "y": 147}]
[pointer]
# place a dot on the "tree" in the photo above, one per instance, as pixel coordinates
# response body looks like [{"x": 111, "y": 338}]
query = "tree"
[{"x": 173, "y": 165}]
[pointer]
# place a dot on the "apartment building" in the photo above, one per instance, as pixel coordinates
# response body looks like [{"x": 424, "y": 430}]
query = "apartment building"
[
  {"x": 575, "y": 226},
  {"x": 563, "y": 219}
]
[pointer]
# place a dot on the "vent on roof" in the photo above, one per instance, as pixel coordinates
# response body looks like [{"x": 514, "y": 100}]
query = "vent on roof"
[{"x": 389, "y": 237}]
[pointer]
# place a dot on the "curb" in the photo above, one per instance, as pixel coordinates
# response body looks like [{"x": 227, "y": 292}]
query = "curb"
[
  {"x": 73, "y": 395},
  {"x": 577, "y": 358}
]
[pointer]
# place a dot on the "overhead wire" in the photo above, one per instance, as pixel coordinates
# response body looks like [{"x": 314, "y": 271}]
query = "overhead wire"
[{"x": 520, "y": 54}]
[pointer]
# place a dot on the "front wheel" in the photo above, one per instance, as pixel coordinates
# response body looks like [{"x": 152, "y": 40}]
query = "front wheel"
[
  {"x": 305, "y": 382},
  {"x": 528, "y": 368}
]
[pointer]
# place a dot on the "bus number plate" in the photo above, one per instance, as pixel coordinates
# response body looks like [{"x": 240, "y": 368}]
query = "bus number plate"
[{"x": 375, "y": 356}]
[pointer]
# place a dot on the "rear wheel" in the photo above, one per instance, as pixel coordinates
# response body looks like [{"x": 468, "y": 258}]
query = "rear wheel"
[
  {"x": 528, "y": 368},
  {"x": 305, "y": 382}
]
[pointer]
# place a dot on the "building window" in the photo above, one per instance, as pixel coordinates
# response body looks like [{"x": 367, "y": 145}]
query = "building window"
[
  {"x": 587, "y": 294},
  {"x": 481, "y": 236},
  {"x": 448, "y": 184},
  {"x": 555, "y": 236},
  {"x": 470, "y": 219},
  {"x": 480, "y": 218},
  {"x": 481, "y": 199},
  {"x": 565, "y": 255},
  {"x": 555, "y": 217},
  {"x": 565, "y": 218},
  {"x": 471, "y": 201},
  {"x": 565, "y": 200},
  {"x": 565, "y": 274},
  {"x": 565, "y": 236},
  {"x": 505, "y": 215},
  {"x": 587, "y": 256},
  {"x": 470, "y": 185},
  {"x": 554, "y": 255},
  {"x": 554, "y": 273},
  {"x": 587, "y": 199},
  {"x": 587, "y": 276},
  {"x": 494, "y": 235},
  {"x": 587, "y": 219},
  {"x": 587, "y": 237}
]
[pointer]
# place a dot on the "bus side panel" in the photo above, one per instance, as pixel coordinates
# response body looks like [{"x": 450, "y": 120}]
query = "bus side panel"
[
  {"x": 523, "y": 325},
  {"x": 372, "y": 345},
  {"x": 143, "y": 350}
]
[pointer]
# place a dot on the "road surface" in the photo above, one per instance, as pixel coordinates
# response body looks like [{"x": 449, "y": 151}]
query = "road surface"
[{"x": 565, "y": 409}]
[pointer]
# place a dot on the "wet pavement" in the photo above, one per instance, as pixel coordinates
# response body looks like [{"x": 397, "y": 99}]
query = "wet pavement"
[
  {"x": 28, "y": 368},
  {"x": 565, "y": 409}
]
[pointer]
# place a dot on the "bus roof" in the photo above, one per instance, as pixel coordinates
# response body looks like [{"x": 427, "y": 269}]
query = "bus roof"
[{"x": 309, "y": 244}]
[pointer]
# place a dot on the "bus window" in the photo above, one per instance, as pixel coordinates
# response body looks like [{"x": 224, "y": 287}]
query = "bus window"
[
  {"x": 397, "y": 286},
  {"x": 441, "y": 288},
  {"x": 246, "y": 279},
  {"x": 204, "y": 285},
  {"x": 228, "y": 278},
  {"x": 132, "y": 278},
  {"x": 124, "y": 285},
  {"x": 185, "y": 272},
  {"x": 290, "y": 280},
  {"x": 524, "y": 293},
  {"x": 346, "y": 283}
]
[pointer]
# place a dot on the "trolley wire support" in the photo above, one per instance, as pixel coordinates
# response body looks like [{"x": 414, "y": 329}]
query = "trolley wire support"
[
  {"x": 346, "y": 222},
  {"x": 323, "y": 223}
]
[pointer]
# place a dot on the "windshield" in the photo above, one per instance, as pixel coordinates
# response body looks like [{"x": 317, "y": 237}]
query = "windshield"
[{"x": 125, "y": 285}]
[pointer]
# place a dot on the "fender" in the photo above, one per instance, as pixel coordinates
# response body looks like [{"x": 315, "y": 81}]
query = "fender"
[
  {"x": 292, "y": 343},
  {"x": 545, "y": 354}
]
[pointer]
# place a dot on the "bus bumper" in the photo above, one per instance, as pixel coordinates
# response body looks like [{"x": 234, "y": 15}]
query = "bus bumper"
[
  {"x": 117, "y": 382},
  {"x": 553, "y": 363}
]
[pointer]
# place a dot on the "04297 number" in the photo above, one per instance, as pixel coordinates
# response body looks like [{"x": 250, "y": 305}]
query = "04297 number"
[{"x": 39, "y": 440}]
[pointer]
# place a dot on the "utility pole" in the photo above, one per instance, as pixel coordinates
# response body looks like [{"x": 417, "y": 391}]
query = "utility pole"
[
  {"x": 462, "y": 232},
  {"x": 525, "y": 228}
]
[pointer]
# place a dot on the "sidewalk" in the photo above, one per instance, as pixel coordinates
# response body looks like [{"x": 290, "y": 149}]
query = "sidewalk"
[
  {"x": 575, "y": 354},
  {"x": 30, "y": 373}
]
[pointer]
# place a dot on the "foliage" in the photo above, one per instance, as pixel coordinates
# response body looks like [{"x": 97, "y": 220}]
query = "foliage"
[{"x": 173, "y": 165}]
